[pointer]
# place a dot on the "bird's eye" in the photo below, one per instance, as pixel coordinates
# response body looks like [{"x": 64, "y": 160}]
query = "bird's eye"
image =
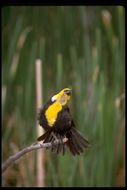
[{"x": 68, "y": 92}]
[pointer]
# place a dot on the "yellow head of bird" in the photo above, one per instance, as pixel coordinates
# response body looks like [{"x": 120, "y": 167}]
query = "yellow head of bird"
[{"x": 63, "y": 96}]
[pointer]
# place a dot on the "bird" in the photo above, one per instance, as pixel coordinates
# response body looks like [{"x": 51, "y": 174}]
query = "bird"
[{"x": 57, "y": 121}]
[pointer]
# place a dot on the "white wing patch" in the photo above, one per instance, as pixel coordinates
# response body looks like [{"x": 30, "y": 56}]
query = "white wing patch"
[{"x": 53, "y": 98}]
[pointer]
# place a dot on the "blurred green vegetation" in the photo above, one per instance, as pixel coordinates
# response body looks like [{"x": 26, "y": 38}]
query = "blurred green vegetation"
[{"x": 82, "y": 47}]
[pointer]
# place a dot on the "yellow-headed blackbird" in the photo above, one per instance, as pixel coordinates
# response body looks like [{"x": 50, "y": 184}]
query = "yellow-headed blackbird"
[{"x": 56, "y": 119}]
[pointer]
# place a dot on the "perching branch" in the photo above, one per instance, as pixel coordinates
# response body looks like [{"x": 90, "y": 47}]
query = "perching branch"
[{"x": 27, "y": 149}]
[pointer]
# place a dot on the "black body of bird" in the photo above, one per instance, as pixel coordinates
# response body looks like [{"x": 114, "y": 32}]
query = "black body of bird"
[{"x": 57, "y": 121}]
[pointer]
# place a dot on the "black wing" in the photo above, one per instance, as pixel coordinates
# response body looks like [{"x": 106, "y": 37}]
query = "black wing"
[{"x": 64, "y": 120}]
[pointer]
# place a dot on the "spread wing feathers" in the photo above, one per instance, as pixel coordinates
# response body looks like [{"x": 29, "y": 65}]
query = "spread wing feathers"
[
  {"x": 76, "y": 142},
  {"x": 45, "y": 135},
  {"x": 51, "y": 136}
]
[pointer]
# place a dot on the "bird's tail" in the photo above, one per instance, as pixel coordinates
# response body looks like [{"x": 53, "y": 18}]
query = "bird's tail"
[
  {"x": 49, "y": 137},
  {"x": 76, "y": 142}
]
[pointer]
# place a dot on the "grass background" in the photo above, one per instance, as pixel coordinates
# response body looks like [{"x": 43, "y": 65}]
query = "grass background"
[{"x": 82, "y": 47}]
